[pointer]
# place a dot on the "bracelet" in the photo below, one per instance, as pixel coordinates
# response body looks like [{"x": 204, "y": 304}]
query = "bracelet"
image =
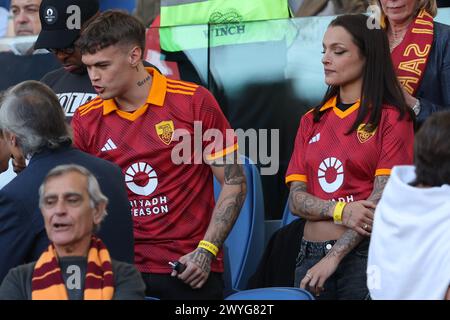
[
  {"x": 208, "y": 246},
  {"x": 337, "y": 213}
]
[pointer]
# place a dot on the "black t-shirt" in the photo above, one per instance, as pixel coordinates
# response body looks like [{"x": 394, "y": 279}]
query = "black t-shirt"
[{"x": 73, "y": 90}]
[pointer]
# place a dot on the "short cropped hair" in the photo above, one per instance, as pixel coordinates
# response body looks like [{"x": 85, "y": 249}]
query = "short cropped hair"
[
  {"x": 432, "y": 151},
  {"x": 112, "y": 27}
]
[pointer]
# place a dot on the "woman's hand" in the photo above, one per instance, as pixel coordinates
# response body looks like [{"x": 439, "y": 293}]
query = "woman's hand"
[
  {"x": 318, "y": 274},
  {"x": 358, "y": 216}
]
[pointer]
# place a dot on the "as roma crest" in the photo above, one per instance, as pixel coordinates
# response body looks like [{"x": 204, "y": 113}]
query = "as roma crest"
[
  {"x": 365, "y": 132},
  {"x": 165, "y": 130}
]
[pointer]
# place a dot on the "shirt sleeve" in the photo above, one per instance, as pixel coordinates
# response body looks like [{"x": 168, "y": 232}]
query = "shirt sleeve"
[
  {"x": 397, "y": 145},
  {"x": 296, "y": 170},
  {"x": 219, "y": 139}
]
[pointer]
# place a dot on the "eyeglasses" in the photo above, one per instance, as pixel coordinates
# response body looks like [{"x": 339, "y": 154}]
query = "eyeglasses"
[{"x": 67, "y": 51}]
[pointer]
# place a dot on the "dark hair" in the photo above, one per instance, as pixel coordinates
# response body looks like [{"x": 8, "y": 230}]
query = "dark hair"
[
  {"x": 432, "y": 151},
  {"x": 32, "y": 112},
  {"x": 380, "y": 84},
  {"x": 112, "y": 27}
]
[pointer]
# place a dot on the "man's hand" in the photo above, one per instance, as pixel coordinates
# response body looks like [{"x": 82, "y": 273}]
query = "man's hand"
[
  {"x": 198, "y": 267},
  {"x": 318, "y": 274},
  {"x": 358, "y": 216}
]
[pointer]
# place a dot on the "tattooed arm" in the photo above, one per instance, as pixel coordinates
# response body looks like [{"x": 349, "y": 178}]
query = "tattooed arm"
[
  {"x": 226, "y": 211},
  {"x": 307, "y": 206},
  {"x": 320, "y": 272}
]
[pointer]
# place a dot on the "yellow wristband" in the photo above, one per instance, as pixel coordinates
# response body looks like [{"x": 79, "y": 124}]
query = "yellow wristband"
[
  {"x": 209, "y": 247},
  {"x": 337, "y": 214}
]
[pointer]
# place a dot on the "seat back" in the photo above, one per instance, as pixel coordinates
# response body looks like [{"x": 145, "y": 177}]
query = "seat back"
[
  {"x": 288, "y": 217},
  {"x": 273, "y": 293},
  {"x": 244, "y": 245}
]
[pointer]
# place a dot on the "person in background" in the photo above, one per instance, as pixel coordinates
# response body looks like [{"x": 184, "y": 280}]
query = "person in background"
[
  {"x": 306, "y": 8},
  {"x": 343, "y": 155},
  {"x": 147, "y": 10},
  {"x": 410, "y": 244},
  {"x": 25, "y": 15},
  {"x": 33, "y": 126},
  {"x": 70, "y": 82},
  {"x": 76, "y": 265},
  {"x": 420, "y": 49}
]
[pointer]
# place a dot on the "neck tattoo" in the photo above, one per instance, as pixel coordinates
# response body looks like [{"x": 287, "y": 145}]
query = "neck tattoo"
[{"x": 141, "y": 83}]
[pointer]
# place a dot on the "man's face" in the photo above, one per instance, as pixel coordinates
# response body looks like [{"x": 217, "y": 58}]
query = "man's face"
[
  {"x": 26, "y": 17},
  {"x": 68, "y": 215},
  {"x": 70, "y": 59},
  {"x": 110, "y": 72}
]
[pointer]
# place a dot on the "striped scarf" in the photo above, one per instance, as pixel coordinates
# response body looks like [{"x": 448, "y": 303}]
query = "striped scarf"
[
  {"x": 410, "y": 57},
  {"x": 48, "y": 284}
]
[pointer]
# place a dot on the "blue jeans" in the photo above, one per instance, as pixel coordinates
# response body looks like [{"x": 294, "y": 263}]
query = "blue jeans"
[{"x": 348, "y": 282}]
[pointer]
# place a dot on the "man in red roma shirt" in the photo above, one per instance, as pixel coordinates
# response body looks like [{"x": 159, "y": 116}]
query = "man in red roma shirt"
[{"x": 134, "y": 122}]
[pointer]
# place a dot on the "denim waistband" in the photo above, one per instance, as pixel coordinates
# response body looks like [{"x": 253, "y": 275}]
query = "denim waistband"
[
  {"x": 316, "y": 249},
  {"x": 320, "y": 249}
]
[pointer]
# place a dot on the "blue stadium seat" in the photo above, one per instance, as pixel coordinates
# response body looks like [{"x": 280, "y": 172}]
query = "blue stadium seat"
[
  {"x": 128, "y": 5},
  {"x": 244, "y": 245},
  {"x": 273, "y": 293},
  {"x": 288, "y": 217}
]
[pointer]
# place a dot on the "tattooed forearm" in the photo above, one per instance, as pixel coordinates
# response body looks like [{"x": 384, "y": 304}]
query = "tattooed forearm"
[
  {"x": 308, "y": 206},
  {"x": 378, "y": 187},
  {"x": 229, "y": 204},
  {"x": 234, "y": 174},
  {"x": 225, "y": 214},
  {"x": 349, "y": 240}
]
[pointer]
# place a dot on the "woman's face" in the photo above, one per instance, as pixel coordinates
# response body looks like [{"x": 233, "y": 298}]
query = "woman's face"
[
  {"x": 342, "y": 60},
  {"x": 399, "y": 11}
]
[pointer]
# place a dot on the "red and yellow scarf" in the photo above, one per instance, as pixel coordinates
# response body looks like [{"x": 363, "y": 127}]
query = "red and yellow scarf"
[
  {"x": 48, "y": 284},
  {"x": 410, "y": 57}
]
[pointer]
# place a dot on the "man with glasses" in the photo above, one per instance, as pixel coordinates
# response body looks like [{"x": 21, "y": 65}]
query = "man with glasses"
[{"x": 61, "y": 23}]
